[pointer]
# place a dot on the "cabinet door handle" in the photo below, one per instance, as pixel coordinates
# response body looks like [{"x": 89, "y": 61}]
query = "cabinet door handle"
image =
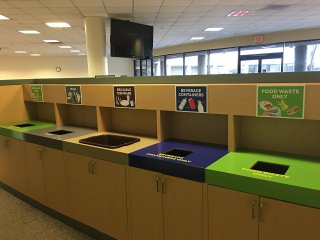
[
  {"x": 157, "y": 184},
  {"x": 163, "y": 180},
  {"x": 6, "y": 143},
  {"x": 252, "y": 210},
  {"x": 40, "y": 153},
  {"x": 89, "y": 166},
  {"x": 93, "y": 167},
  {"x": 261, "y": 212}
]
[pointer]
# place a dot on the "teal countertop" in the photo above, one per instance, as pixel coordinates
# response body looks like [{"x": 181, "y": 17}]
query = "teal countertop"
[
  {"x": 11, "y": 130},
  {"x": 300, "y": 184}
]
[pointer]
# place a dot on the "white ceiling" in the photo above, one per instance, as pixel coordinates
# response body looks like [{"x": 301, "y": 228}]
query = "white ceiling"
[{"x": 174, "y": 21}]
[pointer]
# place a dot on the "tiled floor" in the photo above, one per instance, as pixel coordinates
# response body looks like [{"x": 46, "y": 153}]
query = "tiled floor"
[{"x": 20, "y": 221}]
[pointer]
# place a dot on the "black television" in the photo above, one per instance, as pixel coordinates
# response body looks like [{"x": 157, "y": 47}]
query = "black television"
[{"x": 131, "y": 40}]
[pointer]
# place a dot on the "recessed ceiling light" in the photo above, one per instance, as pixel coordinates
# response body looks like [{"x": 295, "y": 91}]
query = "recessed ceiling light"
[
  {"x": 213, "y": 29},
  {"x": 29, "y": 32},
  {"x": 35, "y": 54},
  {"x": 241, "y": 13},
  {"x": 75, "y": 51},
  {"x": 3, "y": 17},
  {"x": 20, "y": 51},
  {"x": 52, "y": 41},
  {"x": 65, "y": 47},
  {"x": 82, "y": 54},
  {"x": 196, "y": 38},
  {"x": 58, "y": 24}
]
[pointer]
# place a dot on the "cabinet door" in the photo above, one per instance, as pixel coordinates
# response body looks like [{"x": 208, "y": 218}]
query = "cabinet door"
[
  {"x": 182, "y": 209},
  {"x": 18, "y": 161},
  {"x": 232, "y": 214},
  {"x": 54, "y": 170},
  {"x": 98, "y": 197},
  {"x": 35, "y": 176},
  {"x": 145, "y": 205},
  {"x": 4, "y": 161},
  {"x": 281, "y": 220}
]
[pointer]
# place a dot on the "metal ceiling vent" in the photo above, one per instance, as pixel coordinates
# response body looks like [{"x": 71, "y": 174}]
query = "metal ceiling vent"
[{"x": 275, "y": 7}]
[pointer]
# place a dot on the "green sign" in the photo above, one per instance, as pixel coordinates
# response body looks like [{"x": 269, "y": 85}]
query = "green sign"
[
  {"x": 280, "y": 101},
  {"x": 36, "y": 93}
]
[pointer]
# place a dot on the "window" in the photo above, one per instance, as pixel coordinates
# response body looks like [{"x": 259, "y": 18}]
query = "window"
[
  {"x": 196, "y": 63},
  {"x": 158, "y": 66},
  {"x": 137, "y": 68},
  {"x": 223, "y": 61},
  {"x": 302, "y": 56},
  {"x": 174, "y": 65}
]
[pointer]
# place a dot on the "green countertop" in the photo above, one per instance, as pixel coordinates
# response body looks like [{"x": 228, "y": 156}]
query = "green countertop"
[
  {"x": 300, "y": 184},
  {"x": 11, "y": 130}
]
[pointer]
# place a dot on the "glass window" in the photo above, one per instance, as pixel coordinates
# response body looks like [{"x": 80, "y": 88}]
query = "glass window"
[
  {"x": 158, "y": 66},
  {"x": 196, "y": 63},
  {"x": 137, "y": 67},
  {"x": 223, "y": 61},
  {"x": 174, "y": 64},
  {"x": 249, "y": 66},
  {"x": 276, "y": 48},
  {"x": 301, "y": 56}
]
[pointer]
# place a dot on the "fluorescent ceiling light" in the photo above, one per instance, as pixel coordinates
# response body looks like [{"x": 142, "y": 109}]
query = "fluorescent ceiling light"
[
  {"x": 58, "y": 24},
  {"x": 3, "y": 17},
  {"x": 82, "y": 54},
  {"x": 35, "y": 54},
  {"x": 20, "y": 51},
  {"x": 75, "y": 51},
  {"x": 65, "y": 47},
  {"x": 196, "y": 38},
  {"x": 51, "y": 41},
  {"x": 29, "y": 32},
  {"x": 213, "y": 29},
  {"x": 241, "y": 13}
]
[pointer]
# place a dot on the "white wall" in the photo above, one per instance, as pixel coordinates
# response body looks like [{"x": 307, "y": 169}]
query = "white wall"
[
  {"x": 45, "y": 67},
  {"x": 42, "y": 67}
]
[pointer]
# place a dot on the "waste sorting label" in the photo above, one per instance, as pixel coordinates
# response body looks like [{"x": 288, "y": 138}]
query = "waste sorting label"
[
  {"x": 124, "y": 96},
  {"x": 191, "y": 99},
  {"x": 36, "y": 93},
  {"x": 280, "y": 101},
  {"x": 73, "y": 94}
]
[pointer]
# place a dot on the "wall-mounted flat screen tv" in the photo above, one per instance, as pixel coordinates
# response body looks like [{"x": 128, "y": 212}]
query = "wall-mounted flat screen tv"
[{"x": 131, "y": 40}]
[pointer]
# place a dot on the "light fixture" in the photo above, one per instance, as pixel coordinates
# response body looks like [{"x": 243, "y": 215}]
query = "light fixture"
[
  {"x": 75, "y": 51},
  {"x": 65, "y": 47},
  {"x": 82, "y": 54},
  {"x": 29, "y": 32},
  {"x": 20, "y": 51},
  {"x": 196, "y": 38},
  {"x": 51, "y": 41},
  {"x": 35, "y": 54},
  {"x": 213, "y": 29},
  {"x": 3, "y": 17},
  {"x": 241, "y": 13},
  {"x": 58, "y": 24}
]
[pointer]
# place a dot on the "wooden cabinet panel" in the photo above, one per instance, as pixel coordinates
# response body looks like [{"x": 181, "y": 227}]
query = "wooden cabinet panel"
[
  {"x": 282, "y": 220},
  {"x": 17, "y": 159},
  {"x": 36, "y": 188},
  {"x": 145, "y": 205},
  {"x": 54, "y": 178},
  {"x": 4, "y": 162},
  {"x": 98, "y": 198},
  {"x": 182, "y": 208},
  {"x": 232, "y": 214}
]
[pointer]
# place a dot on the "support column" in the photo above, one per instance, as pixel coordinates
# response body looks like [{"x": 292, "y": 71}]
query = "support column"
[
  {"x": 300, "y": 58},
  {"x": 96, "y": 46}
]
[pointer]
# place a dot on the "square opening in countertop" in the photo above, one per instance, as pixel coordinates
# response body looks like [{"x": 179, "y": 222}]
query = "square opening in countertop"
[
  {"x": 270, "y": 167},
  {"x": 22, "y": 125},
  {"x": 178, "y": 152}
]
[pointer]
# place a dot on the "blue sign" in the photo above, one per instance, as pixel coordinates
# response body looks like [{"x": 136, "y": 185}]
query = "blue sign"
[{"x": 191, "y": 99}]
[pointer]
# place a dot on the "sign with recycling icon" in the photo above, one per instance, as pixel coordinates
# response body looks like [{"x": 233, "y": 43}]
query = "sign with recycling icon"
[
  {"x": 280, "y": 101},
  {"x": 191, "y": 99}
]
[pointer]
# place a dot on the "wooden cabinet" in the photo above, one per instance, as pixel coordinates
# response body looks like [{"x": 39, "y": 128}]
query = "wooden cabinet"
[
  {"x": 97, "y": 194},
  {"x": 36, "y": 188},
  {"x": 13, "y": 165},
  {"x": 55, "y": 178},
  {"x": 237, "y": 215},
  {"x": 164, "y": 207}
]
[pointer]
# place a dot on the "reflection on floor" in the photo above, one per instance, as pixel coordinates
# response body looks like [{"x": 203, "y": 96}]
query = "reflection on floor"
[{"x": 20, "y": 221}]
